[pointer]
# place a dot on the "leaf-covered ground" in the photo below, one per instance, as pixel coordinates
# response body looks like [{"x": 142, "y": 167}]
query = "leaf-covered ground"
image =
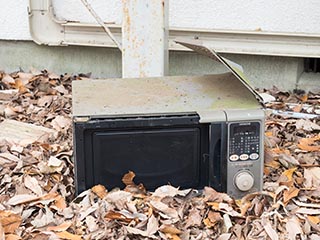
[{"x": 37, "y": 187}]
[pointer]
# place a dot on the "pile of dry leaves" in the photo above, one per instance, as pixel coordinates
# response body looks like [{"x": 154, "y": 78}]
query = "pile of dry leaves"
[{"x": 37, "y": 189}]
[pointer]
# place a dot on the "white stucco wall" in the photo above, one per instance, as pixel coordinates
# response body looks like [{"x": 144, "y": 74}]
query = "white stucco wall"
[{"x": 272, "y": 15}]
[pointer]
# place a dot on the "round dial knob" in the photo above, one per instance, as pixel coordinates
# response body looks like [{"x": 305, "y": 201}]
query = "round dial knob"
[{"x": 244, "y": 181}]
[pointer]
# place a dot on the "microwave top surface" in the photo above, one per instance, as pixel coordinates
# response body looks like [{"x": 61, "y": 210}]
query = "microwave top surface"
[{"x": 148, "y": 96}]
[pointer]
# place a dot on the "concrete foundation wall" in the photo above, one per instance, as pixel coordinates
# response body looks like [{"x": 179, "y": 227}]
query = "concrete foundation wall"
[{"x": 262, "y": 71}]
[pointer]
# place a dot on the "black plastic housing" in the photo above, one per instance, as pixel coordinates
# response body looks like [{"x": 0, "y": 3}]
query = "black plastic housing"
[{"x": 159, "y": 149}]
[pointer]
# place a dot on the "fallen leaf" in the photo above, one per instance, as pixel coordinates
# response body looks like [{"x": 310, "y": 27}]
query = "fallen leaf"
[
  {"x": 60, "y": 228},
  {"x": 99, "y": 190},
  {"x": 119, "y": 198},
  {"x": 224, "y": 236},
  {"x": 314, "y": 219},
  {"x": 288, "y": 173},
  {"x": 165, "y": 191},
  {"x": 163, "y": 208},
  {"x": 289, "y": 194},
  {"x": 21, "y": 199},
  {"x": 152, "y": 226},
  {"x": 69, "y": 236},
  {"x": 298, "y": 108},
  {"x": 60, "y": 122},
  {"x": 12, "y": 237},
  {"x": 309, "y": 144},
  {"x": 91, "y": 223},
  {"x": 54, "y": 162},
  {"x": 33, "y": 185},
  {"x": 308, "y": 211},
  {"x": 170, "y": 229},
  {"x": 304, "y": 98},
  {"x": 293, "y": 228},
  {"x": 9, "y": 221},
  {"x": 137, "y": 231},
  {"x": 7, "y": 79},
  {"x": 212, "y": 195},
  {"x": 128, "y": 178},
  {"x": 44, "y": 218},
  {"x": 214, "y": 217},
  {"x": 112, "y": 215},
  {"x": 227, "y": 222},
  {"x": 194, "y": 218},
  {"x": 270, "y": 230},
  {"x": 1, "y": 232},
  {"x": 307, "y": 125},
  {"x": 60, "y": 202}
]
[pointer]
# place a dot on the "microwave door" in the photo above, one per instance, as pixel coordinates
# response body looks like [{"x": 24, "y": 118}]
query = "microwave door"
[{"x": 217, "y": 156}]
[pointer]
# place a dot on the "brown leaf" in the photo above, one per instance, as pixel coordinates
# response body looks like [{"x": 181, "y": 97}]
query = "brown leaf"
[
  {"x": 60, "y": 228},
  {"x": 244, "y": 206},
  {"x": 212, "y": 195},
  {"x": 304, "y": 98},
  {"x": 170, "y": 229},
  {"x": 100, "y": 191},
  {"x": 9, "y": 221},
  {"x": 288, "y": 173},
  {"x": 309, "y": 144},
  {"x": 18, "y": 83},
  {"x": 298, "y": 108},
  {"x": 174, "y": 237},
  {"x": 42, "y": 236},
  {"x": 112, "y": 215},
  {"x": 60, "y": 202},
  {"x": 314, "y": 219},
  {"x": 12, "y": 237},
  {"x": 289, "y": 194},
  {"x": 1, "y": 232},
  {"x": 128, "y": 178},
  {"x": 69, "y": 236}
]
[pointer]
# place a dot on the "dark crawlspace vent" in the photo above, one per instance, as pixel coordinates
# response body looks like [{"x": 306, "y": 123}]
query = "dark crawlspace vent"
[{"x": 312, "y": 65}]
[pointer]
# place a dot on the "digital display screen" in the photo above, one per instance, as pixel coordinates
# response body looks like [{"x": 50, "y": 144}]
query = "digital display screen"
[{"x": 246, "y": 130}]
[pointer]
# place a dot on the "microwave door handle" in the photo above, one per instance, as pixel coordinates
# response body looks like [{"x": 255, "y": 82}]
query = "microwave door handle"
[{"x": 217, "y": 157}]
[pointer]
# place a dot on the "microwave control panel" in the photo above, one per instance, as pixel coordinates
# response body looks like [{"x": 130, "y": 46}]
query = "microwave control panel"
[
  {"x": 244, "y": 157},
  {"x": 244, "y": 141}
]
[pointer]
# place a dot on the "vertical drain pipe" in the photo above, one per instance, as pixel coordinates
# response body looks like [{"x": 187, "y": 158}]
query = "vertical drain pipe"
[{"x": 145, "y": 38}]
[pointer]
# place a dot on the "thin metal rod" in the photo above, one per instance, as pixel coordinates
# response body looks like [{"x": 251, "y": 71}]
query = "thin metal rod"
[{"x": 99, "y": 20}]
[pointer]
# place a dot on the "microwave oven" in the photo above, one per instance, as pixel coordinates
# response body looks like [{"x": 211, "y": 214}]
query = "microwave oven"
[
  {"x": 187, "y": 131},
  {"x": 172, "y": 149}
]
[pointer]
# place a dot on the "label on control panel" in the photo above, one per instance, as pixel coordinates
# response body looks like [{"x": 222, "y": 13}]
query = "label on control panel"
[
  {"x": 234, "y": 157},
  {"x": 254, "y": 156},
  {"x": 244, "y": 157},
  {"x": 244, "y": 141}
]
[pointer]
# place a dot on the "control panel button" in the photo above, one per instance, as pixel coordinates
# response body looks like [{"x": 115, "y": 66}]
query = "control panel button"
[
  {"x": 234, "y": 157},
  {"x": 244, "y": 157},
  {"x": 254, "y": 156},
  {"x": 244, "y": 181}
]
